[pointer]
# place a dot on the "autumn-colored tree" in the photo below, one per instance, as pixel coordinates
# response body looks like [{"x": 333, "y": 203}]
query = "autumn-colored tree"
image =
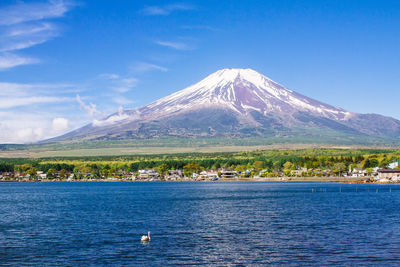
[
  {"x": 62, "y": 174},
  {"x": 26, "y": 167},
  {"x": 258, "y": 164}
]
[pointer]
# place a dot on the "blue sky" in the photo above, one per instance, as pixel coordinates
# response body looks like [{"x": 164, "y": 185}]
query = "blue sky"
[{"x": 65, "y": 63}]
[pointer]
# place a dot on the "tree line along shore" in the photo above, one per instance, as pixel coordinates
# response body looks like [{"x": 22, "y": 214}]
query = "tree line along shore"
[{"x": 322, "y": 164}]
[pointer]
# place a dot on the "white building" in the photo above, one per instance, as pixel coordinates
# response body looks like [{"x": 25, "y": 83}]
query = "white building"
[
  {"x": 146, "y": 174},
  {"x": 358, "y": 172},
  {"x": 41, "y": 174},
  {"x": 393, "y": 165}
]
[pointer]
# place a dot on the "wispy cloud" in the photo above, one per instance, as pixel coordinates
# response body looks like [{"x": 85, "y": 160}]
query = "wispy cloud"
[
  {"x": 174, "y": 45},
  {"x": 24, "y": 36},
  {"x": 23, "y": 12},
  {"x": 145, "y": 67},
  {"x": 165, "y": 10},
  {"x": 12, "y": 102},
  {"x": 90, "y": 108},
  {"x": 8, "y": 89},
  {"x": 8, "y": 60},
  {"x": 200, "y": 27},
  {"x": 118, "y": 83},
  {"x": 17, "y": 95},
  {"x": 109, "y": 76},
  {"x": 28, "y": 29},
  {"x": 125, "y": 85},
  {"x": 24, "y": 25},
  {"x": 122, "y": 100},
  {"x": 31, "y": 112},
  {"x": 120, "y": 116}
]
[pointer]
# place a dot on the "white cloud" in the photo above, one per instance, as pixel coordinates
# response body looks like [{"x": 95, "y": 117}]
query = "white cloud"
[
  {"x": 121, "y": 100},
  {"x": 91, "y": 108},
  {"x": 174, "y": 45},
  {"x": 165, "y": 10},
  {"x": 21, "y": 45},
  {"x": 121, "y": 89},
  {"x": 27, "y": 135},
  {"x": 117, "y": 83},
  {"x": 26, "y": 89},
  {"x": 9, "y": 60},
  {"x": 59, "y": 125},
  {"x": 26, "y": 127},
  {"x": 144, "y": 67},
  {"x": 155, "y": 10},
  {"x": 11, "y": 102},
  {"x": 16, "y": 95},
  {"x": 109, "y": 76},
  {"x": 22, "y": 26},
  {"x": 200, "y": 27},
  {"x": 28, "y": 29},
  {"x": 23, "y": 36},
  {"x": 20, "y": 127},
  {"x": 32, "y": 112},
  {"x": 125, "y": 84},
  {"x": 14, "y": 89},
  {"x": 112, "y": 119},
  {"x": 23, "y": 12},
  {"x": 120, "y": 116}
]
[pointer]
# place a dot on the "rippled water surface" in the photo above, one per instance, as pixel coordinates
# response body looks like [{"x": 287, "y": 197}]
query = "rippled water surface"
[{"x": 218, "y": 223}]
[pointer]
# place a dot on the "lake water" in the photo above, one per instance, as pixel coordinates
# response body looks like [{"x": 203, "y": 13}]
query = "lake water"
[{"x": 215, "y": 223}]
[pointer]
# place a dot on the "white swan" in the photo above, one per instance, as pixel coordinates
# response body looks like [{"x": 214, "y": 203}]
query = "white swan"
[{"x": 146, "y": 238}]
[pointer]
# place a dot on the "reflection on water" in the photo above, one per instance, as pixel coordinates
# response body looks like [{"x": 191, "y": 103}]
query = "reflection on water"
[{"x": 199, "y": 223}]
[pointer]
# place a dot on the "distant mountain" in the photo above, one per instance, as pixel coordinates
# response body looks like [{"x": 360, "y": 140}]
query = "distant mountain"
[{"x": 237, "y": 103}]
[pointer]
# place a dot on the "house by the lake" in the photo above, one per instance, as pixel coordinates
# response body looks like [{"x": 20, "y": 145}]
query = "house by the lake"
[
  {"x": 389, "y": 174},
  {"x": 227, "y": 174}
]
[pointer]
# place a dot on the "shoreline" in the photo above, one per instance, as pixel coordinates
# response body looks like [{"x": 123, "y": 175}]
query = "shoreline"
[{"x": 348, "y": 180}]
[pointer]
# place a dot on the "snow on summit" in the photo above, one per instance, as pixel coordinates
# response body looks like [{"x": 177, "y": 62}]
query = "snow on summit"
[
  {"x": 237, "y": 103},
  {"x": 241, "y": 90}
]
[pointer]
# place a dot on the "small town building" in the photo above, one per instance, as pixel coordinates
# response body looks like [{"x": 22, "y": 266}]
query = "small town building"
[
  {"x": 301, "y": 172},
  {"x": 147, "y": 174},
  {"x": 394, "y": 165},
  {"x": 175, "y": 174},
  {"x": 41, "y": 175},
  {"x": 228, "y": 174},
  {"x": 389, "y": 174},
  {"x": 358, "y": 172},
  {"x": 212, "y": 175}
]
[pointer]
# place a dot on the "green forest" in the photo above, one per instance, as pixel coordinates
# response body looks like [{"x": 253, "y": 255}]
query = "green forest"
[{"x": 315, "y": 161}]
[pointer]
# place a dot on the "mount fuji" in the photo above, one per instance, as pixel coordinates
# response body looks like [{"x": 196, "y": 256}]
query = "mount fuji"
[{"x": 237, "y": 103}]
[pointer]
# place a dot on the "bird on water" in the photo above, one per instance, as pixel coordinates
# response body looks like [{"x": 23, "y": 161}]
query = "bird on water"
[{"x": 146, "y": 238}]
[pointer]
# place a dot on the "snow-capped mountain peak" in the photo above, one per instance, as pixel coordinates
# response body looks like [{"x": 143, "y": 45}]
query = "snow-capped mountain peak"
[
  {"x": 240, "y": 90},
  {"x": 237, "y": 103}
]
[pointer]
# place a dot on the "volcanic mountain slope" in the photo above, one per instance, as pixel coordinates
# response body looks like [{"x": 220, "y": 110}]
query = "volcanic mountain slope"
[{"x": 236, "y": 103}]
